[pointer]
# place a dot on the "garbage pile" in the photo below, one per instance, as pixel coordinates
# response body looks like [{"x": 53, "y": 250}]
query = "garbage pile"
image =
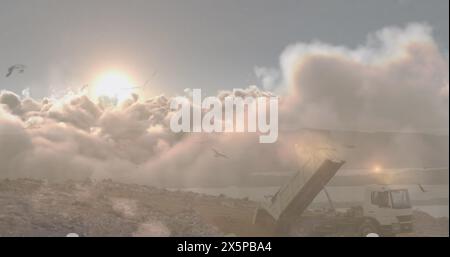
[
  {"x": 106, "y": 208},
  {"x": 37, "y": 208},
  {"x": 427, "y": 225}
]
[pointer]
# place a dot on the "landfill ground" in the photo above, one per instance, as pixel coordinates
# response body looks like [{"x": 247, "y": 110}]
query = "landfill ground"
[{"x": 106, "y": 208}]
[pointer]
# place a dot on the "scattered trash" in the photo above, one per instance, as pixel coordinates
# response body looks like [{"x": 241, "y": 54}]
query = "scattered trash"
[{"x": 107, "y": 208}]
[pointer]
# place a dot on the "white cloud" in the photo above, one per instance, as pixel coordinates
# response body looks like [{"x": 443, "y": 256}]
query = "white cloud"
[
  {"x": 393, "y": 82},
  {"x": 397, "y": 80}
]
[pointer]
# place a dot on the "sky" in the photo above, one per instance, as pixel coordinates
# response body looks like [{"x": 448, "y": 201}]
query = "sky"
[
  {"x": 371, "y": 66},
  {"x": 205, "y": 44}
]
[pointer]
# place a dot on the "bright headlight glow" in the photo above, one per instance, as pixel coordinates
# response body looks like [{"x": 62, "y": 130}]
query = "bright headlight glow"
[{"x": 377, "y": 168}]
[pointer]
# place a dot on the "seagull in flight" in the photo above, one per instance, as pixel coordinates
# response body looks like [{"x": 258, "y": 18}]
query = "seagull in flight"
[
  {"x": 84, "y": 87},
  {"x": 143, "y": 85},
  {"x": 19, "y": 67},
  {"x": 422, "y": 189},
  {"x": 218, "y": 154}
]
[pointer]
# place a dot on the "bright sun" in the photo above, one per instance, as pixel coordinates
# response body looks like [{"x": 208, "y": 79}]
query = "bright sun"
[{"x": 114, "y": 85}]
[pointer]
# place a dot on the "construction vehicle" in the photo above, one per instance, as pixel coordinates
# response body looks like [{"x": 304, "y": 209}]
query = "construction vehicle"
[{"x": 385, "y": 210}]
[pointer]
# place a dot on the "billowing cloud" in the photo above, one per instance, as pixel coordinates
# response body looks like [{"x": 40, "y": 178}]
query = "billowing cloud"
[{"x": 398, "y": 80}]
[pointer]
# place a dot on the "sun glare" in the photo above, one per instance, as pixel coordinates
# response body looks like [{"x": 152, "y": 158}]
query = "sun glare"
[{"x": 114, "y": 85}]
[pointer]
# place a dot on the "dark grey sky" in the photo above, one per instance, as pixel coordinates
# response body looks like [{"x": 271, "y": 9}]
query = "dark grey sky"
[{"x": 208, "y": 44}]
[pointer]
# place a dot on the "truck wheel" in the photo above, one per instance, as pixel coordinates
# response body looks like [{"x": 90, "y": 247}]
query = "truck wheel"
[{"x": 367, "y": 227}]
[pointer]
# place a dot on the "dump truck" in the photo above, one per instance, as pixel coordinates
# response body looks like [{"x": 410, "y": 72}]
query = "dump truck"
[{"x": 385, "y": 210}]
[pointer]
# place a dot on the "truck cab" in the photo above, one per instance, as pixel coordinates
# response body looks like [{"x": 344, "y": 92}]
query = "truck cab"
[{"x": 386, "y": 210}]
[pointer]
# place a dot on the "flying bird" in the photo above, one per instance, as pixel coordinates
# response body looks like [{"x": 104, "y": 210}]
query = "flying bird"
[
  {"x": 143, "y": 85},
  {"x": 155, "y": 73},
  {"x": 146, "y": 82},
  {"x": 151, "y": 78},
  {"x": 84, "y": 87},
  {"x": 218, "y": 154},
  {"x": 422, "y": 189},
  {"x": 19, "y": 67}
]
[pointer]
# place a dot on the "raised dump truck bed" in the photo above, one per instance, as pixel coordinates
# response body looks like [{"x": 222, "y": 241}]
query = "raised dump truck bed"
[{"x": 296, "y": 195}]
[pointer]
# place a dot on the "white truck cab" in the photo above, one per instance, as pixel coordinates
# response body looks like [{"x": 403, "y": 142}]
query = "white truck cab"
[{"x": 387, "y": 210}]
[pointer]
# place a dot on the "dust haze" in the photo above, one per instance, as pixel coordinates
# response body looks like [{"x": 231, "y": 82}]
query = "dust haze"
[{"x": 396, "y": 81}]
